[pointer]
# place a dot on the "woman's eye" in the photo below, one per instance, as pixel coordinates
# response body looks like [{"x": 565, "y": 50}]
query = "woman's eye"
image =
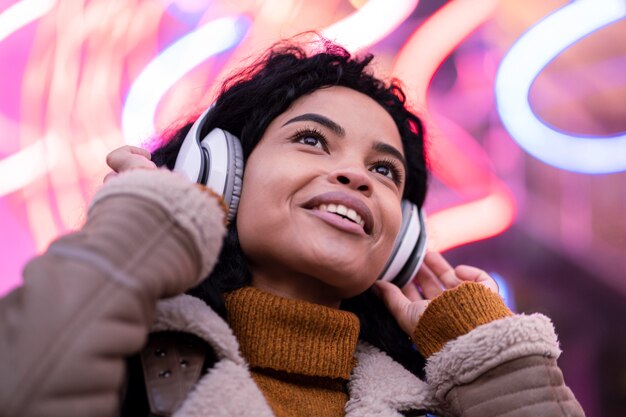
[
  {"x": 383, "y": 170},
  {"x": 310, "y": 137},
  {"x": 388, "y": 169},
  {"x": 311, "y": 141}
]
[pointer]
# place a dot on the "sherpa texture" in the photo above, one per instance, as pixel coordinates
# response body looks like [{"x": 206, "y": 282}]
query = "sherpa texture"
[
  {"x": 200, "y": 213},
  {"x": 185, "y": 313},
  {"x": 226, "y": 391},
  {"x": 379, "y": 386},
  {"x": 229, "y": 378},
  {"x": 464, "y": 359}
]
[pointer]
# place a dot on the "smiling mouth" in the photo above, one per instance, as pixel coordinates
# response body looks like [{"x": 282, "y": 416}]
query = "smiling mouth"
[{"x": 343, "y": 212}]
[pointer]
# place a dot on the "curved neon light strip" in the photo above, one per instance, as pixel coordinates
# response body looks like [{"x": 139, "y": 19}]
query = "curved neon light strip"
[
  {"x": 23, "y": 167},
  {"x": 416, "y": 65},
  {"x": 469, "y": 222},
  {"x": 29, "y": 162},
  {"x": 519, "y": 68},
  {"x": 169, "y": 66},
  {"x": 435, "y": 39},
  {"x": 480, "y": 218},
  {"x": 22, "y": 13},
  {"x": 371, "y": 23}
]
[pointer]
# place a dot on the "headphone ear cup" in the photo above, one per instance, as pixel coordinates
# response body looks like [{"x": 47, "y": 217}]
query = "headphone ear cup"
[
  {"x": 215, "y": 160},
  {"x": 413, "y": 262},
  {"x": 236, "y": 176},
  {"x": 223, "y": 167},
  {"x": 409, "y": 249}
]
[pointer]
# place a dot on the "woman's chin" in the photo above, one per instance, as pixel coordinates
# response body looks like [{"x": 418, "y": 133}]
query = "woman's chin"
[{"x": 345, "y": 284}]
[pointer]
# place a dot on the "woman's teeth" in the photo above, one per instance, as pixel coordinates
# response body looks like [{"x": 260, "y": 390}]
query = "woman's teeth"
[{"x": 342, "y": 211}]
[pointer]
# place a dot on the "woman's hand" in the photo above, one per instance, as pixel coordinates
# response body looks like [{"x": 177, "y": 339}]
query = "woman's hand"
[
  {"x": 126, "y": 158},
  {"x": 434, "y": 277}
]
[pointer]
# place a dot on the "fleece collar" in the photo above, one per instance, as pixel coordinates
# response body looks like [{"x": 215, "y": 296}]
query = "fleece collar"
[{"x": 378, "y": 385}]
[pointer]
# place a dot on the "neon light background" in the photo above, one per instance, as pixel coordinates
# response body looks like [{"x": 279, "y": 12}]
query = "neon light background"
[{"x": 508, "y": 90}]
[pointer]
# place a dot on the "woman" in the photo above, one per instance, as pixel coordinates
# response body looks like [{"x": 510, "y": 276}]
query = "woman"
[{"x": 291, "y": 321}]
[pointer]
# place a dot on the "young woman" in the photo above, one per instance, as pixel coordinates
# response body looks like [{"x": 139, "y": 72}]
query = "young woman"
[{"x": 291, "y": 320}]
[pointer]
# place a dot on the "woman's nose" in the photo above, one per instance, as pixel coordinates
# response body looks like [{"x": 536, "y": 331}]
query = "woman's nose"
[{"x": 356, "y": 179}]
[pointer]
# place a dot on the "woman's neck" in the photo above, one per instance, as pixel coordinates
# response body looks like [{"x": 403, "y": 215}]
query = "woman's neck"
[{"x": 296, "y": 287}]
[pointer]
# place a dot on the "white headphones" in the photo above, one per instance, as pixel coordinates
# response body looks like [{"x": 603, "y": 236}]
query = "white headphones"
[{"x": 216, "y": 161}]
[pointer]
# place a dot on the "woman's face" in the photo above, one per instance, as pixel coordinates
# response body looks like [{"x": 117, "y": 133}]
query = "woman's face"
[{"x": 321, "y": 192}]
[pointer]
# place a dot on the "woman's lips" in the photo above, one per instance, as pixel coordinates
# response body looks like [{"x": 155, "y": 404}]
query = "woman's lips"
[
  {"x": 338, "y": 222},
  {"x": 338, "y": 198}
]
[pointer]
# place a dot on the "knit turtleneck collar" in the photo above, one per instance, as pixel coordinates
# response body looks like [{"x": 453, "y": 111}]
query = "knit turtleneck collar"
[{"x": 292, "y": 335}]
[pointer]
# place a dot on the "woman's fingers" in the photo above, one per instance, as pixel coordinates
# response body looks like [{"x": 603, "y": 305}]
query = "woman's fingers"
[
  {"x": 428, "y": 282},
  {"x": 405, "y": 312},
  {"x": 411, "y": 292},
  {"x": 442, "y": 270},
  {"x": 470, "y": 273},
  {"x": 129, "y": 157},
  {"x": 435, "y": 276},
  {"x": 392, "y": 296}
]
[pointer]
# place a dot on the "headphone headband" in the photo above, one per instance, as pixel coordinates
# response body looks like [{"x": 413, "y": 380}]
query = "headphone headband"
[{"x": 190, "y": 161}]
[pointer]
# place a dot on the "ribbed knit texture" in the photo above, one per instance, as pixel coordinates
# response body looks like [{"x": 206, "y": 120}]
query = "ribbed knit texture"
[
  {"x": 301, "y": 354},
  {"x": 456, "y": 312}
]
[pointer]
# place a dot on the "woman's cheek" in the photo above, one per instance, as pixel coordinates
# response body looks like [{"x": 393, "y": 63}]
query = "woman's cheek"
[{"x": 392, "y": 229}]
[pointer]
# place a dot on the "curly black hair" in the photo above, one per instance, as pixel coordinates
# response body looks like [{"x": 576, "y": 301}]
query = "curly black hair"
[{"x": 248, "y": 102}]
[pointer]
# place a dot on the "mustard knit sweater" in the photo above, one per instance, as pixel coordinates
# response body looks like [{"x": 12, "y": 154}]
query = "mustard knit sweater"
[{"x": 301, "y": 354}]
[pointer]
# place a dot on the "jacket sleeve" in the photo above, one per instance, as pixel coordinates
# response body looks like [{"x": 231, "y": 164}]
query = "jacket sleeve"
[
  {"x": 484, "y": 361},
  {"x": 88, "y": 301}
]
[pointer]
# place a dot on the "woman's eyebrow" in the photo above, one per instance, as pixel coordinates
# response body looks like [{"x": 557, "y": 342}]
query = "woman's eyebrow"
[
  {"x": 318, "y": 118},
  {"x": 390, "y": 150},
  {"x": 340, "y": 131}
]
